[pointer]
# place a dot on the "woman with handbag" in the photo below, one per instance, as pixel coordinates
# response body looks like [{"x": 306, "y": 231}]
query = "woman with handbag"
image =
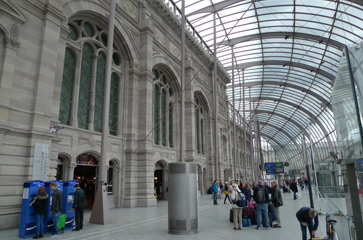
[{"x": 40, "y": 205}]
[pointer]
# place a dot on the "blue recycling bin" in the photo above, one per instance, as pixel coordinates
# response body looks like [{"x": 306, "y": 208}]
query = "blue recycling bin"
[
  {"x": 67, "y": 203},
  {"x": 28, "y": 223},
  {"x": 48, "y": 221}
]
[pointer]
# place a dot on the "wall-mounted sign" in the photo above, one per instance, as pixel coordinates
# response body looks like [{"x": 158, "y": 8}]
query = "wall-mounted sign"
[{"x": 40, "y": 164}]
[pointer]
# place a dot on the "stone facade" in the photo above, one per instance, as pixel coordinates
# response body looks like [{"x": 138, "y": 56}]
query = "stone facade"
[{"x": 34, "y": 36}]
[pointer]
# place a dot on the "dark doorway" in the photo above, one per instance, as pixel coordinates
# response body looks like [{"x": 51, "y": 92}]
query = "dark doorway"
[
  {"x": 86, "y": 173},
  {"x": 158, "y": 184},
  {"x": 60, "y": 162},
  {"x": 86, "y": 176}
]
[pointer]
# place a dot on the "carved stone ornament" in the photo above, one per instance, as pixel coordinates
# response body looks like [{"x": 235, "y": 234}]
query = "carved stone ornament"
[
  {"x": 166, "y": 42},
  {"x": 128, "y": 7},
  {"x": 72, "y": 165},
  {"x": 14, "y": 34}
]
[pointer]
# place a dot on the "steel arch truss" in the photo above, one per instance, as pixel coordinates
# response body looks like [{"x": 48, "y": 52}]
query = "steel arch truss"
[{"x": 286, "y": 56}]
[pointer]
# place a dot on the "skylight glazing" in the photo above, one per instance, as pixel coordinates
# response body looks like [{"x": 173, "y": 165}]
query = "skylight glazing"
[{"x": 287, "y": 54}]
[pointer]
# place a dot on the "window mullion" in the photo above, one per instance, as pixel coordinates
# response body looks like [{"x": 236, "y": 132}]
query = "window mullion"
[
  {"x": 167, "y": 106},
  {"x": 77, "y": 79}
]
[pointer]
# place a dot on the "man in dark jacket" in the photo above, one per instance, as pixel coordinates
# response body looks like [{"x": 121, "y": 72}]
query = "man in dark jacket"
[
  {"x": 56, "y": 207},
  {"x": 293, "y": 187},
  {"x": 277, "y": 202},
  {"x": 260, "y": 195},
  {"x": 305, "y": 216},
  {"x": 79, "y": 204}
]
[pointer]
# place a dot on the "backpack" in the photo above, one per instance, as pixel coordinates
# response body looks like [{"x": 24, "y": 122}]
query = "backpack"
[
  {"x": 241, "y": 202},
  {"x": 260, "y": 196}
]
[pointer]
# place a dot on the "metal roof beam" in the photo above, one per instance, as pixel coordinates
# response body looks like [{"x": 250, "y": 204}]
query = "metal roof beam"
[
  {"x": 285, "y": 63},
  {"x": 317, "y": 96},
  {"x": 302, "y": 129},
  {"x": 270, "y": 35},
  {"x": 284, "y": 132},
  {"x": 317, "y": 121},
  {"x": 214, "y": 8},
  {"x": 277, "y": 143}
]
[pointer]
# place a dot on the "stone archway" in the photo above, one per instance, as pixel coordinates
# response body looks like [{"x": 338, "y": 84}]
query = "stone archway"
[
  {"x": 86, "y": 173},
  {"x": 114, "y": 183},
  {"x": 161, "y": 180},
  {"x": 63, "y": 166}
]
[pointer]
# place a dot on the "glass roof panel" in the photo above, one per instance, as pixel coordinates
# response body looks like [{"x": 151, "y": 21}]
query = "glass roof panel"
[{"x": 289, "y": 51}]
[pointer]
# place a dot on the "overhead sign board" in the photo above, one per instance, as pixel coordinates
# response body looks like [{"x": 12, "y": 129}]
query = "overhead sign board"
[{"x": 274, "y": 168}]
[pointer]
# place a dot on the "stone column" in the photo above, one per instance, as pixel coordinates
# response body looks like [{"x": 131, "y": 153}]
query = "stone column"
[
  {"x": 116, "y": 185},
  {"x": 8, "y": 55},
  {"x": 47, "y": 65},
  {"x": 139, "y": 176},
  {"x": 69, "y": 168}
]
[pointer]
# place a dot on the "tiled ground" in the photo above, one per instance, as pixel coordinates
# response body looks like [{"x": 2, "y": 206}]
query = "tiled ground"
[{"x": 151, "y": 223}]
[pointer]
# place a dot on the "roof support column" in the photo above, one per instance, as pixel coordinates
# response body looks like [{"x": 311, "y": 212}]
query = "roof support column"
[
  {"x": 101, "y": 212},
  {"x": 251, "y": 140},
  {"x": 182, "y": 85},
  {"x": 215, "y": 98},
  {"x": 234, "y": 122},
  {"x": 244, "y": 124}
]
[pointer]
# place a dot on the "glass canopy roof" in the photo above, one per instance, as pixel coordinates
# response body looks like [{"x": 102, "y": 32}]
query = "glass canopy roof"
[{"x": 285, "y": 56}]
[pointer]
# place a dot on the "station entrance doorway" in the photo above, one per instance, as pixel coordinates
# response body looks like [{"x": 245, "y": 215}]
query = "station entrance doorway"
[
  {"x": 86, "y": 173},
  {"x": 160, "y": 181}
]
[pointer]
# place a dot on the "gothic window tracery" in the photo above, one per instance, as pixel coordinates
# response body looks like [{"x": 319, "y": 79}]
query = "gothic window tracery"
[
  {"x": 164, "y": 99},
  {"x": 86, "y": 48},
  {"x": 200, "y": 119}
]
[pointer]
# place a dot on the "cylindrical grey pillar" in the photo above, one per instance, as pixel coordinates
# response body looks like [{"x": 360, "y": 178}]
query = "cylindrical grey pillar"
[{"x": 182, "y": 200}]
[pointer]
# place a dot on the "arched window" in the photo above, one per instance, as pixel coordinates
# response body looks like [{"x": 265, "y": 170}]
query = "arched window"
[
  {"x": 65, "y": 109},
  {"x": 163, "y": 109},
  {"x": 89, "y": 41},
  {"x": 200, "y": 113}
]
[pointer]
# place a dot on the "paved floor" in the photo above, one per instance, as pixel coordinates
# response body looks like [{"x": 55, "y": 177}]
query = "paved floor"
[{"x": 151, "y": 223}]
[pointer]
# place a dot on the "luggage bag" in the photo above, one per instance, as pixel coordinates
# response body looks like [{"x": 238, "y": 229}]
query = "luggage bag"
[{"x": 250, "y": 212}]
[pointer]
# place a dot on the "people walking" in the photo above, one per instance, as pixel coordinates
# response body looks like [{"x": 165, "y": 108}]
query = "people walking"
[
  {"x": 78, "y": 205},
  {"x": 56, "y": 207},
  {"x": 305, "y": 216},
  {"x": 40, "y": 205},
  {"x": 277, "y": 202},
  {"x": 215, "y": 192},
  {"x": 293, "y": 187},
  {"x": 261, "y": 198},
  {"x": 237, "y": 210}
]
